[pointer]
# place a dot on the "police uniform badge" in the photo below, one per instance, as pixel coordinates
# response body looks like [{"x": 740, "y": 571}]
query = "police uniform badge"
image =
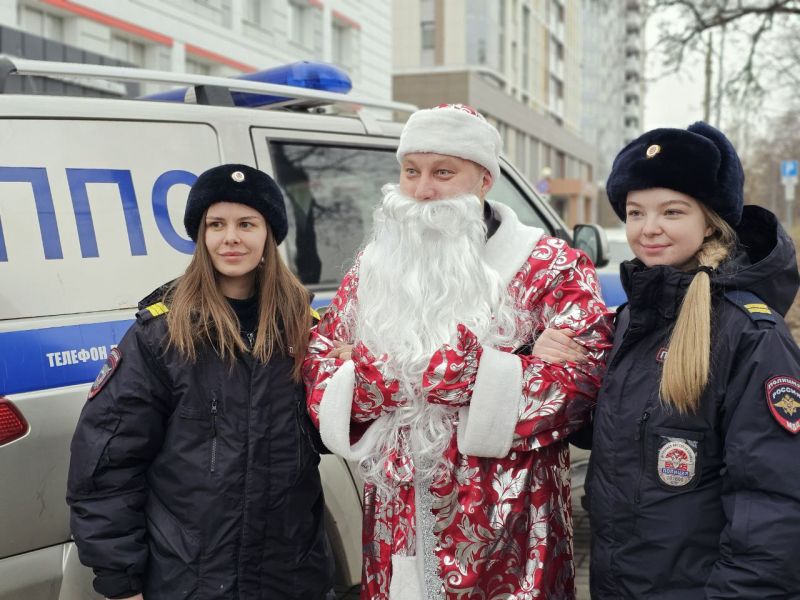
[
  {"x": 109, "y": 368},
  {"x": 676, "y": 462},
  {"x": 783, "y": 398}
]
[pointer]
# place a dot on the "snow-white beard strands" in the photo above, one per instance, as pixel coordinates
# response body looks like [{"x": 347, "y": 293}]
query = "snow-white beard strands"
[{"x": 422, "y": 274}]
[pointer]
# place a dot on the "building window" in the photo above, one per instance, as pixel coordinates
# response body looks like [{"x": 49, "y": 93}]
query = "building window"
[
  {"x": 127, "y": 50},
  {"x": 300, "y": 23},
  {"x": 428, "y": 35},
  {"x": 41, "y": 23},
  {"x": 514, "y": 59},
  {"x": 256, "y": 11},
  {"x": 216, "y": 11},
  {"x": 195, "y": 67},
  {"x": 343, "y": 47},
  {"x": 482, "y": 51}
]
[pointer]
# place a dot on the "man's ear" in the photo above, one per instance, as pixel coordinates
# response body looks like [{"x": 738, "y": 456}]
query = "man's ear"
[{"x": 487, "y": 181}]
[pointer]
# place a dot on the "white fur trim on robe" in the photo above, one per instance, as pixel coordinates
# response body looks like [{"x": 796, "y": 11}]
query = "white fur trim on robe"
[
  {"x": 334, "y": 416},
  {"x": 486, "y": 427},
  {"x": 511, "y": 245},
  {"x": 405, "y": 583}
]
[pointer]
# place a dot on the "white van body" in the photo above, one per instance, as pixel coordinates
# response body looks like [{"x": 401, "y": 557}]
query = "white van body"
[{"x": 92, "y": 193}]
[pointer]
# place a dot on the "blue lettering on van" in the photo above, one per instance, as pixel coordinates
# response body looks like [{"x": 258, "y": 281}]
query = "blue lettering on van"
[
  {"x": 45, "y": 211},
  {"x": 78, "y": 179},
  {"x": 161, "y": 211},
  {"x": 37, "y": 359}
]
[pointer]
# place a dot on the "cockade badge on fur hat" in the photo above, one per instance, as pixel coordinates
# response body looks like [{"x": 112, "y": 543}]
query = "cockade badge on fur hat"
[
  {"x": 236, "y": 183},
  {"x": 454, "y": 130},
  {"x": 698, "y": 161}
]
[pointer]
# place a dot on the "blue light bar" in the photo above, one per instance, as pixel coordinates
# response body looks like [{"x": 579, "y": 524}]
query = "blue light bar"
[{"x": 310, "y": 75}]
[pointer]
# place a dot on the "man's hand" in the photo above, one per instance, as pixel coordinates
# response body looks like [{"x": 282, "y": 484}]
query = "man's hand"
[
  {"x": 136, "y": 597},
  {"x": 452, "y": 370},
  {"x": 376, "y": 391},
  {"x": 557, "y": 346}
]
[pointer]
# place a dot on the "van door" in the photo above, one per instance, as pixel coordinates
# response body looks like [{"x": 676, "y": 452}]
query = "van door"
[{"x": 91, "y": 215}]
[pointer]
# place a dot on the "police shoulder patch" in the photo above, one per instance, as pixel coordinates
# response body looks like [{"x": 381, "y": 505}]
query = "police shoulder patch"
[
  {"x": 783, "y": 398},
  {"x": 154, "y": 310},
  {"x": 751, "y": 305},
  {"x": 109, "y": 368}
]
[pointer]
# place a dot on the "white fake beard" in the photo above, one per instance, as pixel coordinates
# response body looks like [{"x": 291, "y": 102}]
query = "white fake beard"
[{"x": 422, "y": 274}]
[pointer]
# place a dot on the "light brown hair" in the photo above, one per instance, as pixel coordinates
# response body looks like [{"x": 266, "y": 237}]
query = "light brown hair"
[
  {"x": 688, "y": 361},
  {"x": 199, "y": 313}
]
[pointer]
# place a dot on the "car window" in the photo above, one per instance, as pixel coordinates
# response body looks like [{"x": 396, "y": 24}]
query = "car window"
[
  {"x": 504, "y": 190},
  {"x": 331, "y": 192}
]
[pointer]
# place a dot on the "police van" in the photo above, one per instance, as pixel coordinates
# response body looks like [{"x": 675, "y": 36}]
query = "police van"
[{"x": 92, "y": 193}]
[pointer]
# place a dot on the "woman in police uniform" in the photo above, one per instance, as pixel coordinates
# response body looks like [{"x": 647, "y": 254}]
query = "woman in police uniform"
[
  {"x": 192, "y": 473},
  {"x": 695, "y": 482}
]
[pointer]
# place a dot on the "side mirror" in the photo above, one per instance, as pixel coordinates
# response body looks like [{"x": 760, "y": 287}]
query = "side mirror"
[{"x": 592, "y": 240}]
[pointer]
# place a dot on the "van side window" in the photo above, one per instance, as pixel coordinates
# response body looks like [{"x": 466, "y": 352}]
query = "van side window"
[
  {"x": 330, "y": 192},
  {"x": 504, "y": 190}
]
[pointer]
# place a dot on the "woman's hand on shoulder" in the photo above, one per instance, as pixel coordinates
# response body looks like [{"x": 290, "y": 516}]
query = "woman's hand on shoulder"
[
  {"x": 557, "y": 346},
  {"x": 136, "y": 597}
]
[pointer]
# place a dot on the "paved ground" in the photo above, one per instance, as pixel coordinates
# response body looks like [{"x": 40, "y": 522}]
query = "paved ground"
[{"x": 580, "y": 522}]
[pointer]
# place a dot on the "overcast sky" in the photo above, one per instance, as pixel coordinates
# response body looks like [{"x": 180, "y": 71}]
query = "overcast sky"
[{"x": 675, "y": 100}]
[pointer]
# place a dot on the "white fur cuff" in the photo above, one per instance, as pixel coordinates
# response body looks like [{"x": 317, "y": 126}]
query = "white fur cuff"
[
  {"x": 335, "y": 409},
  {"x": 486, "y": 426}
]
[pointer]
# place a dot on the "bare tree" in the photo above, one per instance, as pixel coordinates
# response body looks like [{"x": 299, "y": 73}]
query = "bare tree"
[
  {"x": 762, "y": 157},
  {"x": 757, "y": 43}
]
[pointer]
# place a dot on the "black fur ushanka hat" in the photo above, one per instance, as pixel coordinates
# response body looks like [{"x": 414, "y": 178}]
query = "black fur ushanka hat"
[
  {"x": 698, "y": 161},
  {"x": 236, "y": 183}
]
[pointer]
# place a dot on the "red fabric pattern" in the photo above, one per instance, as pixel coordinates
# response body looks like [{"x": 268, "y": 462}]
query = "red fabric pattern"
[{"x": 502, "y": 526}]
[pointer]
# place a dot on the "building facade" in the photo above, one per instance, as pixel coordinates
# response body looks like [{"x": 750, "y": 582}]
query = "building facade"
[
  {"x": 519, "y": 63},
  {"x": 219, "y": 37},
  {"x": 613, "y": 82}
]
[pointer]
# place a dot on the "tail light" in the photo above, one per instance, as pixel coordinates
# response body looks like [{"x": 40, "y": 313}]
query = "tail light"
[{"x": 12, "y": 424}]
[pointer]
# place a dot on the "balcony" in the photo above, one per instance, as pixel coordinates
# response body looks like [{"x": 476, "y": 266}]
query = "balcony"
[
  {"x": 633, "y": 64},
  {"x": 633, "y": 21},
  {"x": 557, "y": 67}
]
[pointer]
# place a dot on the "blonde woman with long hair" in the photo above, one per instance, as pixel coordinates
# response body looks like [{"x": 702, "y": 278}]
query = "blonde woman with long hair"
[
  {"x": 193, "y": 473},
  {"x": 694, "y": 490}
]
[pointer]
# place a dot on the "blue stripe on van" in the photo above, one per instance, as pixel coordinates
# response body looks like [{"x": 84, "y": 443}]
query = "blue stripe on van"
[{"x": 36, "y": 359}]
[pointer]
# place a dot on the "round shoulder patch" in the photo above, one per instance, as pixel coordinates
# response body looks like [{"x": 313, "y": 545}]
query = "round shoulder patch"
[
  {"x": 783, "y": 398},
  {"x": 109, "y": 368}
]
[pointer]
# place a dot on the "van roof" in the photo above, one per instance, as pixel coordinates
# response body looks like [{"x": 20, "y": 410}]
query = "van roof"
[{"x": 20, "y": 66}]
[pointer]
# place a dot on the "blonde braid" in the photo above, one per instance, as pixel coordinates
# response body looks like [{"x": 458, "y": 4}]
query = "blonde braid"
[{"x": 687, "y": 365}]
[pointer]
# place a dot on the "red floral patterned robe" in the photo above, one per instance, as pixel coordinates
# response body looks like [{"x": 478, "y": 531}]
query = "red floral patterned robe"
[{"x": 498, "y": 524}]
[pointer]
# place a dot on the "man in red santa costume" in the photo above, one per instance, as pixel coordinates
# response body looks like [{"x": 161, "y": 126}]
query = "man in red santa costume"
[{"x": 424, "y": 371}]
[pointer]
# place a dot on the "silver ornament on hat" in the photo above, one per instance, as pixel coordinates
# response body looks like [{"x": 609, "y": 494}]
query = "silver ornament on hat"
[{"x": 237, "y": 176}]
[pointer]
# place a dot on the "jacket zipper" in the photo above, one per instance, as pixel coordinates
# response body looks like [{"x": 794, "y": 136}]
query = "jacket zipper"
[
  {"x": 213, "y": 464},
  {"x": 642, "y": 439}
]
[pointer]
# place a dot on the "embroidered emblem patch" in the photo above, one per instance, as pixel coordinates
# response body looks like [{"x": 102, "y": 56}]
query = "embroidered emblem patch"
[
  {"x": 677, "y": 459},
  {"x": 114, "y": 358},
  {"x": 783, "y": 397}
]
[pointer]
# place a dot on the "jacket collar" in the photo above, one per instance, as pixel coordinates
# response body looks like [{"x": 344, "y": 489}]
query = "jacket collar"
[
  {"x": 511, "y": 245},
  {"x": 654, "y": 292}
]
